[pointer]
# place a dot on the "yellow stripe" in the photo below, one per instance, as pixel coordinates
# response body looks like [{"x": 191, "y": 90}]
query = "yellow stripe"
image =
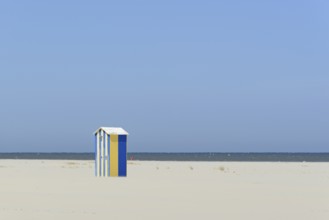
[{"x": 114, "y": 155}]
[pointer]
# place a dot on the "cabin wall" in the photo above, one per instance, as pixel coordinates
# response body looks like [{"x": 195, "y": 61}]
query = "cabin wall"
[
  {"x": 110, "y": 154},
  {"x": 101, "y": 150},
  {"x": 122, "y": 155},
  {"x": 114, "y": 155}
]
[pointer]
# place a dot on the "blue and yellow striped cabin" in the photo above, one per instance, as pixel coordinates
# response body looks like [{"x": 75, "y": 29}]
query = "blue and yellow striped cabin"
[{"x": 110, "y": 152}]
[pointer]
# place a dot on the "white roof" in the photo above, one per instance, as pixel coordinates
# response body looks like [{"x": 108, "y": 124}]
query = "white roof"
[{"x": 112, "y": 130}]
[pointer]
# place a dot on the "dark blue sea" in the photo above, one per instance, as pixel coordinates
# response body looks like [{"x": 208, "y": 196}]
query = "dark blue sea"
[{"x": 277, "y": 157}]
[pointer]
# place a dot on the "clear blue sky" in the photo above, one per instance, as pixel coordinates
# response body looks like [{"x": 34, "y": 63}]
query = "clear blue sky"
[{"x": 178, "y": 75}]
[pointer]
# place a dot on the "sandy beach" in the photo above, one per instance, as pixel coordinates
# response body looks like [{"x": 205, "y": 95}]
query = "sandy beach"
[{"x": 58, "y": 189}]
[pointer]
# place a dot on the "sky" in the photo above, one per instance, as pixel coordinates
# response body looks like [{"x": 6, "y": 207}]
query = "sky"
[{"x": 179, "y": 76}]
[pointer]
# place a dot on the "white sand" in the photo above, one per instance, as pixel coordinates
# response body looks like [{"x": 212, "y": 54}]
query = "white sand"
[{"x": 34, "y": 189}]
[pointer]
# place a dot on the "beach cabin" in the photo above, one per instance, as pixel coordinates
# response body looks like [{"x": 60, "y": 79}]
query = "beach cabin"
[{"x": 110, "y": 151}]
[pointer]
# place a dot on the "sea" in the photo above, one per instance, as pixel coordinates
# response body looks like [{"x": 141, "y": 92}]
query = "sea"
[{"x": 250, "y": 157}]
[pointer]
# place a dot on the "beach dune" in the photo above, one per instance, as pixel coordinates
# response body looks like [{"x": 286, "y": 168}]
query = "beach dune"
[{"x": 59, "y": 189}]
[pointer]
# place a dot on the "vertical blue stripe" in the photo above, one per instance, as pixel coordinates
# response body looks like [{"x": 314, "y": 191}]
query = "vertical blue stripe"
[
  {"x": 108, "y": 154},
  {"x": 96, "y": 154},
  {"x": 122, "y": 155},
  {"x": 100, "y": 153},
  {"x": 104, "y": 158}
]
